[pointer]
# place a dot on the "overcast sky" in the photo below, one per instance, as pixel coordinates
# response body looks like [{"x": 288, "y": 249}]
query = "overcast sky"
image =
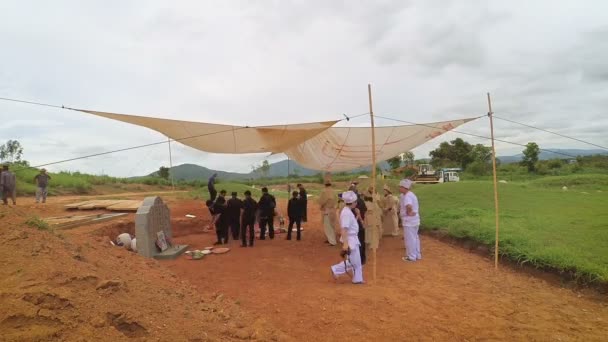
[{"x": 270, "y": 62}]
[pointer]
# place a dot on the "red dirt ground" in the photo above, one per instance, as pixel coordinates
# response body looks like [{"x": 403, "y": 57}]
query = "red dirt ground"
[{"x": 278, "y": 290}]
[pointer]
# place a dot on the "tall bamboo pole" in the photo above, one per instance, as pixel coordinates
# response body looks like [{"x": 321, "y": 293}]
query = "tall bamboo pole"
[
  {"x": 490, "y": 115},
  {"x": 371, "y": 116},
  {"x": 170, "y": 164}
]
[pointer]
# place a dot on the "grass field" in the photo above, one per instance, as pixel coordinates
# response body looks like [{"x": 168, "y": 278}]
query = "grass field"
[{"x": 540, "y": 223}]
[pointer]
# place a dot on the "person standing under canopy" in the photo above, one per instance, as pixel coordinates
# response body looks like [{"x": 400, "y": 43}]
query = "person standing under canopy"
[
  {"x": 411, "y": 221},
  {"x": 211, "y": 187},
  {"x": 250, "y": 208},
  {"x": 328, "y": 202},
  {"x": 350, "y": 241},
  {"x": 359, "y": 212},
  {"x": 234, "y": 215},
  {"x": 390, "y": 220},
  {"x": 373, "y": 228},
  {"x": 266, "y": 205},
  {"x": 304, "y": 199},
  {"x": 295, "y": 211}
]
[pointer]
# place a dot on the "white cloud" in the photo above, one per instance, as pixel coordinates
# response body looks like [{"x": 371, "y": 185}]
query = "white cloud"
[{"x": 239, "y": 62}]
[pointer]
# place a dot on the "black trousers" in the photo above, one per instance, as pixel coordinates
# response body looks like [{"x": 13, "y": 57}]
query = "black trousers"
[
  {"x": 305, "y": 212},
  {"x": 221, "y": 230},
  {"x": 235, "y": 228},
  {"x": 361, "y": 236},
  {"x": 247, "y": 225},
  {"x": 298, "y": 222},
  {"x": 213, "y": 194},
  {"x": 266, "y": 221}
]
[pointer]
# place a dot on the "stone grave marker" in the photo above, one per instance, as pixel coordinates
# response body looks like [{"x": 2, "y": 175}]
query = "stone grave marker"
[{"x": 151, "y": 218}]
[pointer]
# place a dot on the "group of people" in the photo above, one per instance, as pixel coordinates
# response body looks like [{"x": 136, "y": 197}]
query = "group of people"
[
  {"x": 8, "y": 185},
  {"x": 237, "y": 217},
  {"x": 352, "y": 230},
  {"x": 363, "y": 218}
]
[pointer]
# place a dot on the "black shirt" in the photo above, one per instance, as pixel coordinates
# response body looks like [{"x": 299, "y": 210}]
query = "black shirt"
[
  {"x": 249, "y": 208},
  {"x": 267, "y": 204},
  {"x": 219, "y": 208},
  {"x": 234, "y": 208},
  {"x": 295, "y": 208},
  {"x": 303, "y": 195}
]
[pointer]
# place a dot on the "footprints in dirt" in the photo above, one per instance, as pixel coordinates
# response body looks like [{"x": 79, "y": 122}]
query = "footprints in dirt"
[
  {"x": 48, "y": 301},
  {"x": 128, "y": 327},
  {"x": 21, "y": 327}
]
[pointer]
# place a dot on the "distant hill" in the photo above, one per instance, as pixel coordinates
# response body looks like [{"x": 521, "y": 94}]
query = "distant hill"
[
  {"x": 548, "y": 155},
  {"x": 279, "y": 169}
]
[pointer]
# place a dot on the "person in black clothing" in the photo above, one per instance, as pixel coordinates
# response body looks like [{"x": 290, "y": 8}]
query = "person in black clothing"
[
  {"x": 211, "y": 187},
  {"x": 234, "y": 215},
  {"x": 304, "y": 199},
  {"x": 294, "y": 212},
  {"x": 221, "y": 222},
  {"x": 266, "y": 206},
  {"x": 359, "y": 212},
  {"x": 248, "y": 220}
]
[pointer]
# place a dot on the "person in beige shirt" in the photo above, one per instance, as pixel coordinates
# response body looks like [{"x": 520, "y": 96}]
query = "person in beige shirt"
[
  {"x": 328, "y": 201},
  {"x": 390, "y": 220},
  {"x": 373, "y": 228}
]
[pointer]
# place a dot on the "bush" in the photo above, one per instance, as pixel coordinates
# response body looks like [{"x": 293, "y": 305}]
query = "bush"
[{"x": 478, "y": 168}]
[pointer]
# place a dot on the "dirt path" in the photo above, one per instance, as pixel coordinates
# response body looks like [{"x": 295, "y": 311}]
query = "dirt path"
[{"x": 450, "y": 295}]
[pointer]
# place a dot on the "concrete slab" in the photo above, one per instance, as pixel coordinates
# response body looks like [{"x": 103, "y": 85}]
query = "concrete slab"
[{"x": 171, "y": 253}]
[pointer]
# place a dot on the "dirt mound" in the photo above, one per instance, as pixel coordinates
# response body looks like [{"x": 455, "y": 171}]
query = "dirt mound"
[{"x": 79, "y": 288}]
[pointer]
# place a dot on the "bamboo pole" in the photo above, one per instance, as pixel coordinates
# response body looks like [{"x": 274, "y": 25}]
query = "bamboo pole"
[
  {"x": 170, "y": 164},
  {"x": 490, "y": 114},
  {"x": 371, "y": 115},
  {"x": 288, "y": 183}
]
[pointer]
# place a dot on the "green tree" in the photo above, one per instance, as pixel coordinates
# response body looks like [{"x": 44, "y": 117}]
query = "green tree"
[
  {"x": 163, "y": 172},
  {"x": 265, "y": 168},
  {"x": 530, "y": 157},
  {"x": 481, "y": 153},
  {"x": 408, "y": 158},
  {"x": 394, "y": 162},
  {"x": 455, "y": 153},
  {"x": 11, "y": 151}
]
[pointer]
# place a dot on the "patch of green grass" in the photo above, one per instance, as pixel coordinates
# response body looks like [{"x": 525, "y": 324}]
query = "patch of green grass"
[
  {"x": 38, "y": 223},
  {"x": 539, "y": 225}
]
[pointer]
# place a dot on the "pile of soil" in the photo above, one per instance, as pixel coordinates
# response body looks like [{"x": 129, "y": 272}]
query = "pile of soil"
[{"x": 77, "y": 287}]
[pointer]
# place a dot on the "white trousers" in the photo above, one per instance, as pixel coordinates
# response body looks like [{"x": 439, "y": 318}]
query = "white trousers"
[
  {"x": 412, "y": 242},
  {"x": 330, "y": 232},
  {"x": 353, "y": 264}
]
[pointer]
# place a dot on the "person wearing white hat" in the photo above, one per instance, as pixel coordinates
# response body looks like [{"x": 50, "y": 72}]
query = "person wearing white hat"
[
  {"x": 350, "y": 241},
  {"x": 411, "y": 221}
]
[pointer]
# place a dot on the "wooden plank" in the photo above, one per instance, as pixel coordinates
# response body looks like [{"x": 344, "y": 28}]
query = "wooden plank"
[
  {"x": 76, "y": 205},
  {"x": 101, "y": 204},
  {"x": 90, "y": 220},
  {"x": 125, "y": 206}
]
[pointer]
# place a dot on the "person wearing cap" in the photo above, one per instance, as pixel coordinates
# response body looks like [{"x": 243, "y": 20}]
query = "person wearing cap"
[
  {"x": 235, "y": 205},
  {"x": 42, "y": 181},
  {"x": 350, "y": 241},
  {"x": 250, "y": 207},
  {"x": 304, "y": 199},
  {"x": 327, "y": 201},
  {"x": 411, "y": 221},
  {"x": 8, "y": 184},
  {"x": 266, "y": 205},
  {"x": 295, "y": 212},
  {"x": 390, "y": 219}
]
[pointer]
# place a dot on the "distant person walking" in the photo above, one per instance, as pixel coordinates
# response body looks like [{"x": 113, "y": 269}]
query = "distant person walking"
[
  {"x": 328, "y": 202},
  {"x": 248, "y": 219},
  {"x": 8, "y": 183},
  {"x": 411, "y": 221},
  {"x": 211, "y": 187},
  {"x": 295, "y": 211},
  {"x": 304, "y": 199},
  {"x": 42, "y": 182},
  {"x": 235, "y": 205},
  {"x": 266, "y": 206}
]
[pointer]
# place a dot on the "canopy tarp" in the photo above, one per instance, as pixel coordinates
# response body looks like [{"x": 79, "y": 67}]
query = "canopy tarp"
[{"x": 317, "y": 146}]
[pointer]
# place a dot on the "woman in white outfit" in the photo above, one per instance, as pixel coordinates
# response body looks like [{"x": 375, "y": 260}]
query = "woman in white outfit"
[
  {"x": 350, "y": 241},
  {"x": 411, "y": 221}
]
